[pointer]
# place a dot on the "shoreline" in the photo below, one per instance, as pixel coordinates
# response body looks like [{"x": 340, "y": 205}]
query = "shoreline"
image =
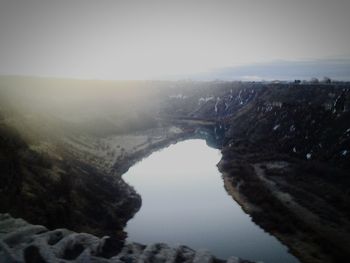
[{"x": 278, "y": 219}]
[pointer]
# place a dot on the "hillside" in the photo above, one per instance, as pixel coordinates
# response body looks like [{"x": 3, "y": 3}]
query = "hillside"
[{"x": 286, "y": 159}]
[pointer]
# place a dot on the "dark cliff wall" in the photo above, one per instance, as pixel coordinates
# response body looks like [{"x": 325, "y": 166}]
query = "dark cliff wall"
[
  {"x": 304, "y": 121},
  {"x": 60, "y": 193}
]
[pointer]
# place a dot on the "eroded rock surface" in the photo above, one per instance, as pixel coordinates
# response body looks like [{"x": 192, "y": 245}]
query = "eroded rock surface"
[{"x": 23, "y": 242}]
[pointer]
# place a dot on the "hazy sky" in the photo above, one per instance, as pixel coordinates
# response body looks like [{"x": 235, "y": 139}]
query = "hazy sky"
[{"x": 129, "y": 39}]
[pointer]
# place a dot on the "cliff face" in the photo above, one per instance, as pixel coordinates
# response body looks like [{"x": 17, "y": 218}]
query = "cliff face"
[
  {"x": 289, "y": 152},
  {"x": 286, "y": 159},
  {"x": 309, "y": 123},
  {"x": 60, "y": 192},
  {"x": 74, "y": 180}
]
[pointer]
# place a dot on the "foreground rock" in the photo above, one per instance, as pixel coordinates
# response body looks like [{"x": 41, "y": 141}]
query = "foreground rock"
[{"x": 23, "y": 242}]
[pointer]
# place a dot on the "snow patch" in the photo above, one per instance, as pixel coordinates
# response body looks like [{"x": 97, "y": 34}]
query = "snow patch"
[
  {"x": 240, "y": 98},
  {"x": 178, "y": 96},
  {"x": 204, "y": 100},
  {"x": 175, "y": 130},
  {"x": 216, "y": 104}
]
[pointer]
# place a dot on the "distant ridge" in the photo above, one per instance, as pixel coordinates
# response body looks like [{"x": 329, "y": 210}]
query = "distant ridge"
[{"x": 338, "y": 69}]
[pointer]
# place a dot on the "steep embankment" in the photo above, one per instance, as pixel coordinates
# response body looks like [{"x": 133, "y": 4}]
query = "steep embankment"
[
  {"x": 286, "y": 160},
  {"x": 288, "y": 152},
  {"x": 64, "y": 144},
  {"x": 61, "y": 191},
  {"x": 73, "y": 180}
]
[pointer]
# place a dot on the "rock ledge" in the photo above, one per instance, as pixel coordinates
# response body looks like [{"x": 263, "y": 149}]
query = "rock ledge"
[{"x": 23, "y": 242}]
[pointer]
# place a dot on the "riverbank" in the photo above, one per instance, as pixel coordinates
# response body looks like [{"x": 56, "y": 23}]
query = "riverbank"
[
  {"x": 75, "y": 181},
  {"x": 181, "y": 185},
  {"x": 306, "y": 202},
  {"x": 266, "y": 188}
]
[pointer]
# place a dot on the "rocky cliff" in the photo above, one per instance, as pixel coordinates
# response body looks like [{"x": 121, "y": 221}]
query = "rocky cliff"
[{"x": 285, "y": 159}]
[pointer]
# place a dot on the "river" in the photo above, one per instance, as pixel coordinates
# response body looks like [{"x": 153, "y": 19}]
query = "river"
[{"x": 184, "y": 202}]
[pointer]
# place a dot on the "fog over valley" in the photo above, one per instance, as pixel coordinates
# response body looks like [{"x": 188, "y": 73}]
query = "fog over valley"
[{"x": 174, "y": 131}]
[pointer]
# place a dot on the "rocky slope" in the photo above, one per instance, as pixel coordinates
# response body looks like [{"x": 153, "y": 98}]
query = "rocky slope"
[
  {"x": 286, "y": 159},
  {"x": 61, "y": 191},
  {"x": 75, "y": 181}
]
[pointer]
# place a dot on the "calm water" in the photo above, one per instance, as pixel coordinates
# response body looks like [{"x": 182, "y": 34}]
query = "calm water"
[{"x": 184, "y": 202}]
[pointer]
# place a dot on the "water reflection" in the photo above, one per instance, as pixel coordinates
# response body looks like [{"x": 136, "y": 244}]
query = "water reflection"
[{"x": 184, "y": 202}]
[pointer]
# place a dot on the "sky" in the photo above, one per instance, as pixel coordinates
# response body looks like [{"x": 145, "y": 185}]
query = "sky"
[{"x": 113, "y": 39}]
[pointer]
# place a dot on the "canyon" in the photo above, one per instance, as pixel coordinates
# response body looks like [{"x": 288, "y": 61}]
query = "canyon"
[{"x": 285, "y": 159}]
